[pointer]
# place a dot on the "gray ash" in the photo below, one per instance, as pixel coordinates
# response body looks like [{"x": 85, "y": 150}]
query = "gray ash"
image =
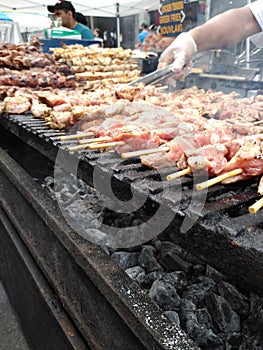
[
  {"x": 201, "y": 300},
  {"x": 191, "y": 293}
]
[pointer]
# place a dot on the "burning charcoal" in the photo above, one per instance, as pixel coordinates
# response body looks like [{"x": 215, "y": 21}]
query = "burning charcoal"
[
  {"x": 238, "y": 301},
  {"x": 173, "y": 316},
  {"x": 222, "y": 314},
  {"x": 198, "y": 270},
  {"x": 165, "y": 246},
  {"x": 148, "y": 260},
  {"x": 187, "y": 311},
  {"x": 177, "y": 279},
  {"x": 136, "y": 273},
  {"x": 197, "y": 291},
  {"x": 255, "y": 320},
  {"x": 192, "y": 259},
  {"x": 204, "y": 318},
  {"x": 172, "y": 262},
  {"x": 214, "y": 274},
  {"x": 178, "y": 250},
  {"x": 208, "y": 282},
  {"x": 81, "y": 213},
  {"x": 125, "y": 259},
  {"x": 150, "y": 278},
  {"x": 203, "y": 337},
  {"x": 232, "y": 341},
  {"x": 165, "y": 296},
  {"x": 254, "y": 343}
]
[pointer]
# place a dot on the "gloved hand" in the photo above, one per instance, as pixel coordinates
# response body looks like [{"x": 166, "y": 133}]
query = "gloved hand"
[{"x": 179, "y": 53}]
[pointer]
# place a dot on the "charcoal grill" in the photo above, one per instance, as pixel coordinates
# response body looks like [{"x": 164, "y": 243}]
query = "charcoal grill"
[{"x": 87, "y": 282}]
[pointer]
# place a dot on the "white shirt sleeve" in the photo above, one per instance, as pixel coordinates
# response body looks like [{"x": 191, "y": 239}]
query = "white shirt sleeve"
[{"x": 257, "y": 9}]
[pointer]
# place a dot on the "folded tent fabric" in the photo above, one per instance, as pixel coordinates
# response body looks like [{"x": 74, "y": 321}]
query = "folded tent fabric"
[
  {"x": 100, "y": 8},
  {"x": 5, "y": 17}
]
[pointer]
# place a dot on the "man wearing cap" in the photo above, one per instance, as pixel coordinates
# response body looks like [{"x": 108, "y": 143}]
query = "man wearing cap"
[
  {"x": 65, "y": 10},
  {"x": 142, "y": 35}
]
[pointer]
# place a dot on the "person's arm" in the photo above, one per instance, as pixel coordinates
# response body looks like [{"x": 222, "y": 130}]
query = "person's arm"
[
  {"x": 219, "y": 32},
  {"x": 225, "y": 29}
]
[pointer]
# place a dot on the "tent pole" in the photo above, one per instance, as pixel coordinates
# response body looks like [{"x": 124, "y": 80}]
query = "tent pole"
[
  {"x": 91, "y": 19},
  {"x": 118, "y": 24},
  {"x": 248, "y": 46}
]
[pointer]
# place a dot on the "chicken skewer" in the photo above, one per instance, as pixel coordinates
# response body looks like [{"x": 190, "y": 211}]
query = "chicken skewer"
[
  {"x": 245, "y": 163},
  {"x": 212, "y": 158}
]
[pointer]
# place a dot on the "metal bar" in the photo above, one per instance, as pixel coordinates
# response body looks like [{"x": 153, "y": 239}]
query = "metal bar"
[{"x": 40, "y": 312}]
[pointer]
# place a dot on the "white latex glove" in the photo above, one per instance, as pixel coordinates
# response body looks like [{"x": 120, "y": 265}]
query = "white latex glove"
[{"x": 179, "y": 53}]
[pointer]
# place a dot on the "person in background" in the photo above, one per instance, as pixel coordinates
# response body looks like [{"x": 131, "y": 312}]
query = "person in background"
[
  {"x": 97, "y": 36},
  {"x": 221, "y": 31},
  {"x": 65, "y": 10},
  {"x": 142, "y": 35},
  {"x": 80, "y": 18}
]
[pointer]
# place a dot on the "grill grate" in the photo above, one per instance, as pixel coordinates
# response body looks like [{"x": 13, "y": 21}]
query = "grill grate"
[{"x": 222, "y": 231}]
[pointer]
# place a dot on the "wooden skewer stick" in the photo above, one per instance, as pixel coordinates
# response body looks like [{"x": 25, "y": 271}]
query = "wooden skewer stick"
[
  {"x": 96, "y": 139},
  {"x": 78, "y": 147},
  {"x": 96, "y": 145},
  {"x": 76, "y": 136},
  {"x": 253, "y": 209},
  {"x": 218, "y": 179},
  {"x": 179, "y": 174},
  {"x": 105, "y": 145},
  {"x": 162, "y": 87},
  {"x": 144, "y": 152}
]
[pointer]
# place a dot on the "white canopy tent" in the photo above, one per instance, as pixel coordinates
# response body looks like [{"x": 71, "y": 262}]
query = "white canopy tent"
[
  {"x": 99, "y": 8},
  {"x": 29, "y": 22}
]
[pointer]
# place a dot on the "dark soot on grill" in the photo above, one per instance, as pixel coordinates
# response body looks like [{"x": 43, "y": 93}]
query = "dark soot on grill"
[{"x": 191, "y": 293}]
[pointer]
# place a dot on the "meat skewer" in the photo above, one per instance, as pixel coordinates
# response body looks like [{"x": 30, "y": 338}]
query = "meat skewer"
[
  {"x": 249, "y": 157},
  {"x": 209, "y": 158},
  {"x": 247, "y": 162},
  {"x": 212, "y": 158},
  {"x": 190, "y": 145}
]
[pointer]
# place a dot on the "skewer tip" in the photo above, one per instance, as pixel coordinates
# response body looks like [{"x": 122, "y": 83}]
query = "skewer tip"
[
  {"x": 181, "y": 173},
  {"x": 253, "y": 209}
]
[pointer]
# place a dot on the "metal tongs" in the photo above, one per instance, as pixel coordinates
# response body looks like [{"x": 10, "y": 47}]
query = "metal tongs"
[
  {"x": 154, "y": 77},
  {"x": 161, "y": 74}
]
